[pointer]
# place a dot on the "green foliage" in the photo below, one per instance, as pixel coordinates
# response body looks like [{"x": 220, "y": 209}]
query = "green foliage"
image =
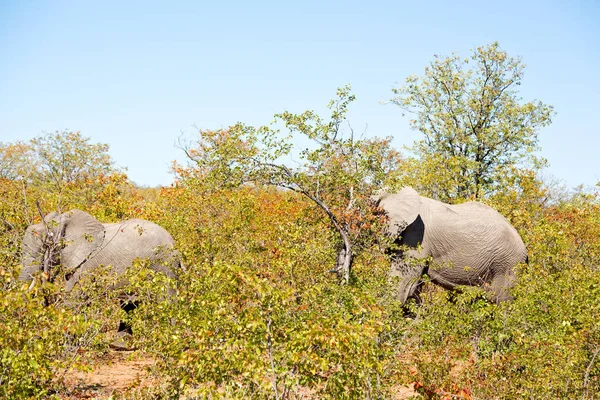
[
  {"x": 15, "y": 160},
  {"x": 43, "y": 334},
  {"x": 257, "y": 314},
  {"x": 12, "y": 221},
  {"x": 475, "y": 127},
  {"x": 62, "y": 170},
  {"x": 44, "y": 331},
  {"x": 254, "y": 312},
  {"x": 66, "y": 157},
  {"x": 337, "y": 172}
]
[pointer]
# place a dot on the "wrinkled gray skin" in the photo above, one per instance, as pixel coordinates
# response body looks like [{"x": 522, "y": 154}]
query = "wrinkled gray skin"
[
  {"x": 83, "y": 244},
  {"x": 466, "y": 244}
]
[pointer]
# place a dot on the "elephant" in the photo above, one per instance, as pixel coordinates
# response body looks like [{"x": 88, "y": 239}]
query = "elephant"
[
  {"x": 81, "y": 244},
  {"x": 467, "y": 244}
]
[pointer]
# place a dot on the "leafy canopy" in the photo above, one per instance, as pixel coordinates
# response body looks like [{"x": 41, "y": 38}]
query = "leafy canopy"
[
  {"x": 476, "y": 127},
  {"x": 337, "y": 171},
  {"x": 68, "y": 157}
]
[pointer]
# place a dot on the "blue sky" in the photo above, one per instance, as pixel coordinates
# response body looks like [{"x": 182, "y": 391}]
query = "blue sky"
[{"x": 136, "y": 74}]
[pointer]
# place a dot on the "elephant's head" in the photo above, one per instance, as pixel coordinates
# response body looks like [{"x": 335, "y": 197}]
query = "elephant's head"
[
  {"x": 68, "y": 239},
  {"x": 402, "y": 209}
]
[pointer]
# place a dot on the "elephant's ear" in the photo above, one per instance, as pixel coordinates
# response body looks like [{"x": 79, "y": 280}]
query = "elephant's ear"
[
  {"x": 51, "y": 217},
  {"x": 402, "y": 208},
  {"x": 82, "y": 235}
]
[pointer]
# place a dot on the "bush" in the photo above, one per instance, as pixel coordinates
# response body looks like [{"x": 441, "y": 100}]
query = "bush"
[
  {"x": 255, "y": 314},
  {"x": 43, "y": 335}
]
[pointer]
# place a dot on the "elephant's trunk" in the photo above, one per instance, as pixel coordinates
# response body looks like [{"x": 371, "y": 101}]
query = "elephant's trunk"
[
  {"x": 32, "y": 254},
  {"x": 38, "y": 250}
]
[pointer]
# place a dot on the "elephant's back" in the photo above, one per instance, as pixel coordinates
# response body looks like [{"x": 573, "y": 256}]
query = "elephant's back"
[
  {"x": 475, "y": 208},
  {"x": 141, "y": 231},
  {"x": 474, "y": 234},
  {"x": 136, "y": 238},
  {"x": 480, "y": 216}
]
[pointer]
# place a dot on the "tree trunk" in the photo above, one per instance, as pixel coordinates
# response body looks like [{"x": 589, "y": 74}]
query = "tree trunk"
[{"x": 344, "y": 261}]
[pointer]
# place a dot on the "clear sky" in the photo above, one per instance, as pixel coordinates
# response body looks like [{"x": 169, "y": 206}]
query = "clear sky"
[{"x": 136, "y": 74}]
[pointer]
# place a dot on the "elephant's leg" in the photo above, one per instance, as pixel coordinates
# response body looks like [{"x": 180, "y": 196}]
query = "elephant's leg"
[
  {"x": 500, "y": 286},
  {"x": 124, "y": 333},
  {"x": 408, "y": 272},
  {"x": 127, "y": 306}
]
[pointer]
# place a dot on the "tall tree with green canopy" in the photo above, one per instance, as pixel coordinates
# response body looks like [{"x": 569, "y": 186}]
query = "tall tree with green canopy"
[
  {"x": 69, "y": 157},
  {"x": 15, "y": 160},
  {"x": 57, "y": 159},
  {"x": 476, "y": 127},
  {"x": 64, "y": 166},
  {"x": 337, "y": 171}
]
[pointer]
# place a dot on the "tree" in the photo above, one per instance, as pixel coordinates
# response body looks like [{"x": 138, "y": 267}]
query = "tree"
[
  {"x": 69, "y": 157},
  {"x": 15, "y": 160},
  {"x": 65, "y": 170},
  {"x": 476, "y": 128},
  {"x": 58, "y": 158},
  {"x": 338, "y": 171}
]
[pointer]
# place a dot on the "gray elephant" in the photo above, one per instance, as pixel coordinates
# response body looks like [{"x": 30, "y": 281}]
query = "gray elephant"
[
  {"x": 81, "y": 244},
  {"x": 465, "y": 244}
]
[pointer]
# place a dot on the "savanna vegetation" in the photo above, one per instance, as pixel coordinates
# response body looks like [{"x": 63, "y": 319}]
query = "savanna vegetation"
[{"x": 258, "y": 313}]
